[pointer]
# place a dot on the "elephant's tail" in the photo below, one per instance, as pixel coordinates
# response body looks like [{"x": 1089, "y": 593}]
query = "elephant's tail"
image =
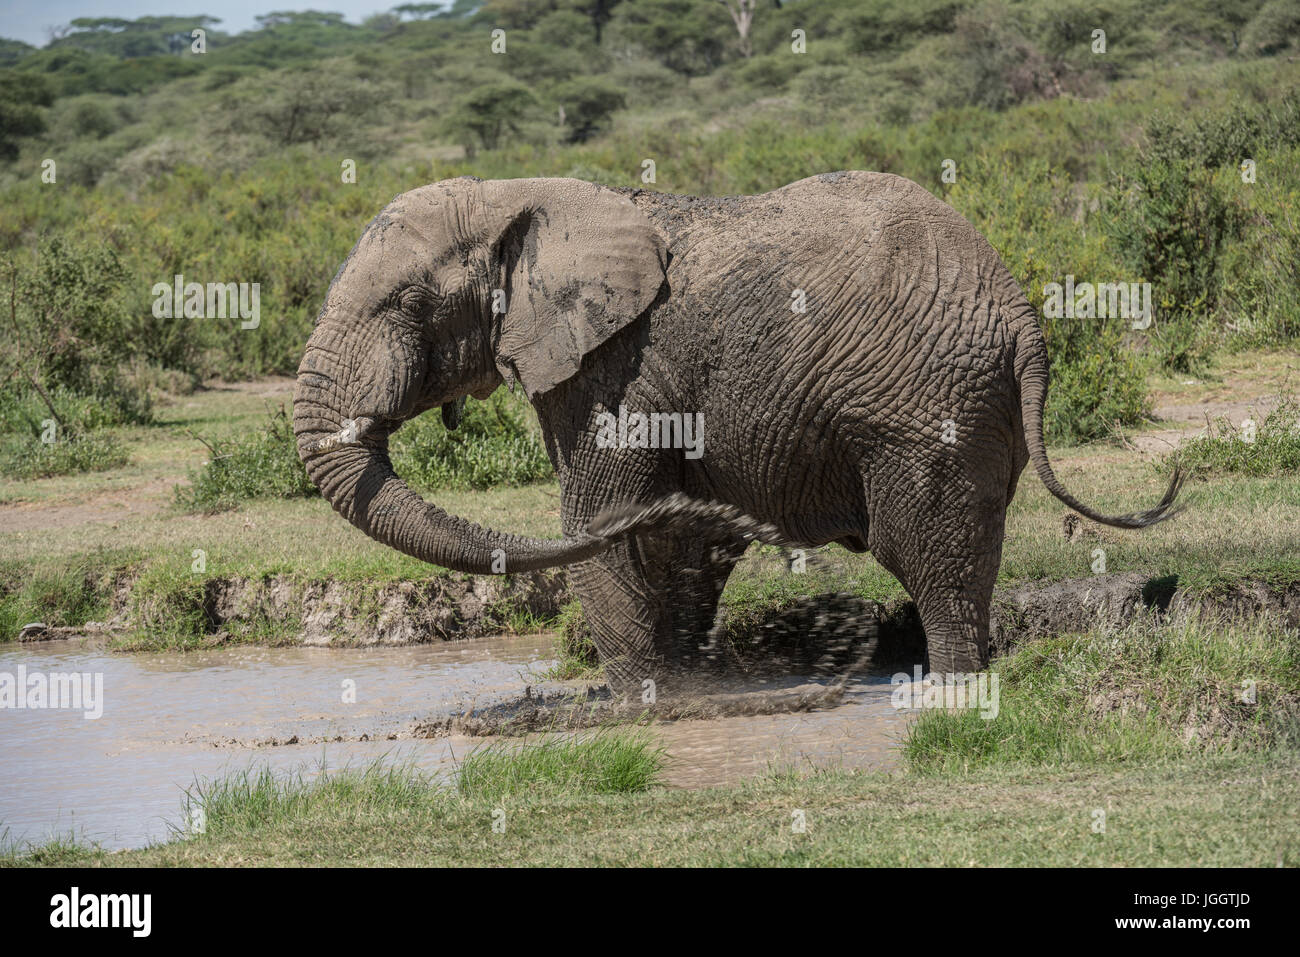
[
  {"x": 680, "y": 512},
  {"x": 1031, "y": 371}
]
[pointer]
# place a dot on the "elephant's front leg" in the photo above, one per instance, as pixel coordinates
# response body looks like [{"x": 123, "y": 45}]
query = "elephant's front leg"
[
  {"x": 622, "y": 596},
  {"x": 649, "y": 601}
]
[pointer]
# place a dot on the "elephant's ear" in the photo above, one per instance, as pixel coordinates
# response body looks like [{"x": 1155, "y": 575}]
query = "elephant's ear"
[{"x": 580, "y": 262}]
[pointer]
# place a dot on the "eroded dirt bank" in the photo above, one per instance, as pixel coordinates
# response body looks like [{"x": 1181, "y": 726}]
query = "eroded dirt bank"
[{"x": 833, "y": 629}]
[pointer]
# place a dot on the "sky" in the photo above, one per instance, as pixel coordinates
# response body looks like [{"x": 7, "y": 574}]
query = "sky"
[{"x": 27, "y": 19}]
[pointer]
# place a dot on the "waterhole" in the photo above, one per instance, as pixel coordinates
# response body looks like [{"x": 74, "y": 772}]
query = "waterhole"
[{"x": 169, "y": 718}]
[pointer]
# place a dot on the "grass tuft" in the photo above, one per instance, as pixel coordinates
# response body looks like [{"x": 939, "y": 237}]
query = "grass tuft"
[
  {"x": 262, "y": 464},
  {"x": 609, "y": 761}
]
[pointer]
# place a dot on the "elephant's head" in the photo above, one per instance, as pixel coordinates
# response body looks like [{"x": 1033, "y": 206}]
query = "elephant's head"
[{"x": 451, "y": 289}]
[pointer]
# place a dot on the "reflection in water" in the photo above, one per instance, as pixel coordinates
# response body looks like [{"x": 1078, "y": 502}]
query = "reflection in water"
[{"x": 169, "y": 718}]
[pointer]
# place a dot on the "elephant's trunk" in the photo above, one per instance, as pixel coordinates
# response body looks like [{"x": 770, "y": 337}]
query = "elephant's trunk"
[{"x": 348, "y": 462}]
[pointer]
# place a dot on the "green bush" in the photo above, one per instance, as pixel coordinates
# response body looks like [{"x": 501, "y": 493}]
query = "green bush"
[
  {"x": 264, "y": 464},
  {"x": 1267, "y": 447},
  {"x": 1275, "y": 28},
  {"x": 66, "y": 314},
  {"x": 23, "y": 457},
  {"x": 495, "y": 444},
  {"x": 1028, "y": 214},
  {"x": 1171, "y": 223}
]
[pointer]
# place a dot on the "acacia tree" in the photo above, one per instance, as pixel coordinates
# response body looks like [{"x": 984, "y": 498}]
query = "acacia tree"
[{"x": 488, "y": 113}]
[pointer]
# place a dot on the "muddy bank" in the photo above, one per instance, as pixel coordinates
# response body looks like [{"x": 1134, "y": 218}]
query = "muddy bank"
[
  {"x": 821, "y": 634},
  {"x": 828, "y": 633},
  {"x": 329, "y": 613}
]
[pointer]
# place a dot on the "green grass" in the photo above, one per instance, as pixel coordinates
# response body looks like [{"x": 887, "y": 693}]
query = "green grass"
[
  {"x": 1140, "y": 694},
  {"x": 608, "y": 761},
  {"x": 1228, "y": 811},
  {"x": 68, "y": 592},
  {"x": 23, "y": 457},
  {"x": 261, "y": 464},
  {"x": 254, "y": 798},
  {"x": 1268, "y": 446},
  {"x": 574, "y": 651}
]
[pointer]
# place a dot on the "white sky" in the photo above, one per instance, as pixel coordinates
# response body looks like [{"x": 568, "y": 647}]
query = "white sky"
[{"x": 27, "y": 19}]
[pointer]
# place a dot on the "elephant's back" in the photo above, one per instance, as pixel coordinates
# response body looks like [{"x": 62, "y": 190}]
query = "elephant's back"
[{"x": 854, "y": 304}]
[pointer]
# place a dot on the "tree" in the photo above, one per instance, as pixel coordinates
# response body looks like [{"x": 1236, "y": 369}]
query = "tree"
[
  {"x": 599, "y": 12},
  {"x": 308, "y": 107},
  {"x": 142, "y": 37},
  {"x": 300, "y": 18},
  {"x": 20, "y": 96},
  {"x": 587, "y": 105},
  {"x": 742, "y": 14},
  {"x": 11, "y": 51},
  {"x": 484, "y": 116},
  {"x": 420, "y": 11},
  {"x": 683, "y": 35}
]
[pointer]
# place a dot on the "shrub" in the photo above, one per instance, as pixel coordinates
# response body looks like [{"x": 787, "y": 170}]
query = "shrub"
[
  {"x": 1171, "y": 222},
  {"x": 66, "y": 312},
  {"x": 1096, "y": 380},
  {"x": 22, "y": 457},
  {"x": 494, "y": 445},
  {"x": 264, "y": 464},
  {"x": 1274, "y": 28},
  {"x": 1268, "y": 447}
]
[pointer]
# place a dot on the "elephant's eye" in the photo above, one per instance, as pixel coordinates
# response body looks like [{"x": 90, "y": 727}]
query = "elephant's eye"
[{"x": 415, "y": 300}]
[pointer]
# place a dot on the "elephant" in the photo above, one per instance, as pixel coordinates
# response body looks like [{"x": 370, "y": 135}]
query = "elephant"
[{"x": 865, "y": 370}]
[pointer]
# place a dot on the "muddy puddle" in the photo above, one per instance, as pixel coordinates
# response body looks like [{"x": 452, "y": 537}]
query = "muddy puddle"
[{"x": 168, "y": 719}]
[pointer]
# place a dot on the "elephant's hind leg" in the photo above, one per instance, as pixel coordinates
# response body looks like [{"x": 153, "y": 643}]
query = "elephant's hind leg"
[
  {"x": 941, "y": 535},
  {"x": 700, "y": 566}
]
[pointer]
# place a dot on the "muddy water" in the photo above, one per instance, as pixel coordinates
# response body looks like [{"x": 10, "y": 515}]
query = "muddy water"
[{"x": 169, "y": 719}]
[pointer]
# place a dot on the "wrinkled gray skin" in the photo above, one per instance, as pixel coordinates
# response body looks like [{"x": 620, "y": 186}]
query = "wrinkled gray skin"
[{"x": 829, "y": 424}]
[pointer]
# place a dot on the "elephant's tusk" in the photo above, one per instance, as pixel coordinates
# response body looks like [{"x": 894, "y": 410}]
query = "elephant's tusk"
[{"x": 353, "y": 431}]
